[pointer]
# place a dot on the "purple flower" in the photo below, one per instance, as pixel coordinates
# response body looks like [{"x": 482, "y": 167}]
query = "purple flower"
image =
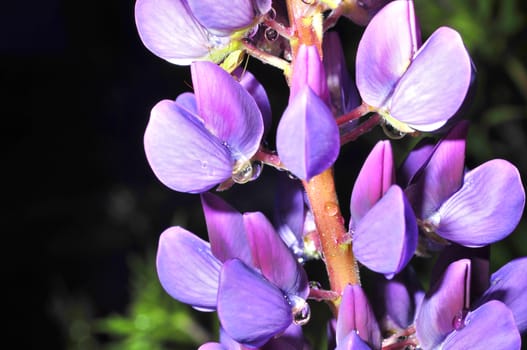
[
  {"x": 184, "y": 31},
  {"x": 307, "y": 138},
  {"x": 475, "y": 208},
  {"x": 206, "y": 138},
  {"x": 382, "y": 224},
  {"x": 412, "y": 87}
]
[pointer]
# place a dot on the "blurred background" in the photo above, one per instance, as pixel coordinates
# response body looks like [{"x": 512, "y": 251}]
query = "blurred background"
[{"x": 84, "y": 211}]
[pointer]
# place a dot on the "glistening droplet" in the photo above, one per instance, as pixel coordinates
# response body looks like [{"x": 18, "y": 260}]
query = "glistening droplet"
[
  {"x": 245, "y": 171},
  {"x": 391, "y": 131},
  {"x": 300, "y": 310},
  {"x": 331, "y": 208},
  {"x": 459, "y": 320},
  {"x": 270, "y": 34}
]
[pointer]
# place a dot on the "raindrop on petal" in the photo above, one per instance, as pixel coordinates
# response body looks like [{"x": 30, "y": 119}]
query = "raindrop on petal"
[
  {"x": 300, "y": 310},
  {"x": 459, "y": 320},
  {"x": 270, "y": 34},
  {"x": 245, "y": 171},
  {"x": 391, "y": 131}
]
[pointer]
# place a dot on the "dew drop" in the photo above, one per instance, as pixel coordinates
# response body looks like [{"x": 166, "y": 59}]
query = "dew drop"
[
  {"x": 270, "y": 34},
  {"x": 392, "y": 132},
  {"x": 204, "y": 164},
  {"x": 308, "y": 2},
  {"x": 459, "y": 320},
  {"x": 245, "y": 171},
  {"x": 300, "y": 310},
  {"x": 331, "y": 208}
]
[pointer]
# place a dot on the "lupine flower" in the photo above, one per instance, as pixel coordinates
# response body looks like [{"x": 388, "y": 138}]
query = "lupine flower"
[
  {"x": 412, "y": 87},
  {"x": 446, "y": 321},
  {"x": 467, "y": 208},
  {"x": 382, "y": 225},
  {"x": 307, "y": 138},
  {"x": 184, "y": 31},
  {"x": 359, "y": 11},
  {"x": 205, "y": 138}
]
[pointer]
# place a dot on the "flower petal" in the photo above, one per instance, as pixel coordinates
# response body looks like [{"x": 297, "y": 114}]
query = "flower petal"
[
  {"x": 187, "y": 269},
  {"x": 308, "y": 70},
  {"x": 386, "y": 237},
  {"x": 443, "y": 304},
  {"x": 227, "y": 235},
  {"x": 307, "y": 138},
  {"x": 509, "y": 285},
  {"x": 491, "y": 326},
  {"x": 169, "y": 30},
  {"x": 375, "y": 177},
  {"x": 352, "y": 342},
  {"x": 356, "y": 316},
  {"x": 182, "y": 153},
  {"x": 273, "y": 258},
  {"x": 487, "y": 208},
  {"x": 227, "y": 109},
  {"x": 291, "y": 339},
  {"x": 436, "y": 83},
  {"x": 245, "y": 299},
  {"x": 385, "y": 50}
]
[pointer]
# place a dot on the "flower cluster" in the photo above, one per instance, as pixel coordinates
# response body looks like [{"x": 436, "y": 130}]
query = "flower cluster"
[{"x": 251, "y": 271}]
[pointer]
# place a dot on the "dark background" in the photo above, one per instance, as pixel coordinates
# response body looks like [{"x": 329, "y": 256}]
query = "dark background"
[{"x": 79, "y": 197}]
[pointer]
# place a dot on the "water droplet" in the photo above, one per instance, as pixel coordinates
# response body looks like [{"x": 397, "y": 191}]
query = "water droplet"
[
  {"x": 308, "y": 2},
  {"x": 270, "y": 34},
  {"x": 204, "y": 164},
  {"x": 245, "y": 171},
  {"x": 315, "y": 285},
  {"x": 272, "y": 13},
  {"x": 331, "y": 208},
  {"x": 459, "y": 320},
  {"x": 300, "y": 310},
  {"x": 391, "y": 131}
]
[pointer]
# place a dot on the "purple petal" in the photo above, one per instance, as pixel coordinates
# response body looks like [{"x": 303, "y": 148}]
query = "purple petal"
[
  {"x": 491, "y": 326},
  {"x": 487, "y": 208},
  {"x": 343, "y": 92},
  {"x": 356, "y": 316},
  {"x": 307, "y": 138},
  {"x": 168, "y": 29},
  {"x": 509, "y": 285},
  {"x": 212, "y": 346},
  {"x": 352, "y": 342},
  {"x": 385, "y": 51},
  {"x": 273, "y": 258},
  {"x": 416, "y": 159},
  {"x": 227, "y": 109},
  {"x": 386, "y": 237},
  {"x": 375, "y": 177},
  {"x": 220, "y": 16},
  {"x": 187, "y": 269},
  {"x": 187, "y": 101},
  {"x": 227, "y": 235},
  {"x": 309, "y": 71},
  {"x": 182, "y": 152},
  {"x": 442, "y": 176},
  {"x": 436, "y": 83},
  {"x": 443, "y": 304},
  {"x": 245, "y": 299},
  {"x": 257, "y": 91},
  {"x": 291, "y": 339}
]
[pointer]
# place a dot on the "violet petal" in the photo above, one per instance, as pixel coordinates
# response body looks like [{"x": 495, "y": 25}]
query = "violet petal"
[
  {"x": 182, "y": 152},
  {"x": 187, "y": 269},
  {"x": 227, "y": 109},
  {"x": 169, "y": 30},
  {"x": 212, "y": 346},
  {"x": 443, "y": 304},
  {"x": 356, "y": 316},
  {"x": 307, "y": 138},
  {"x": 352, "y": 341},
  {"x": 375, "y": 177},
  {"x": 435, "y": 84},
  {"x": 386, "y": 237},
  {"x": 491, "y": 326},
  {"x": 308, "y": 70},
  {"x": 245, "y": 299},
  {"x": 273, "y": 258},
  {"x": 385, "y": 51},
  {"x": 227, "y": 235},
  {"x": 487, "y": 208},
  {"x": 291, "y": 339}
]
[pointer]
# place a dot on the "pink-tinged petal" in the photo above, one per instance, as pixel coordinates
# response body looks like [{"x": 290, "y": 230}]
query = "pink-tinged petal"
[
  {"x": 226, "y": 230},
  {"x": 442, "y": 176},
  {"x": 342, "y": 90},
  {"x": 308, "y": 70},
  {"x": 356, "y": 316},
  {"x": 307, "y": 138},
  {"x": 220, "y": 16},
  {"x": 491, "y": 326},
  {"x": 386, "y": 237},
  {"x": 443, "y": 304},
  {"x": 352, "y": 342},
  {"x": 385, "y": 51},
  {"x": 436, "y": 83},
  {"x": 212, "y": 346},
  {"x": 187, "y": 269},
  {"x": 273, "y": 258},
  {"x": 374, "y": 179},
  {"x": 509, "y": 285},
  {"x": 169, "y": 30},
  {"x": 251, "y": 309},
  {"x": 227, "y": 109},
  {"x": 257, "y": 91},
  {"x": 182, "y": 152},
  {"x": 487, "y": 208}
]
